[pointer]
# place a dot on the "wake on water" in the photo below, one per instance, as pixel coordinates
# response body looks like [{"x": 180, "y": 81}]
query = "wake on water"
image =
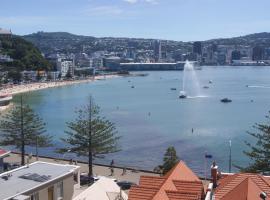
[{"x": 258, "y": 86}]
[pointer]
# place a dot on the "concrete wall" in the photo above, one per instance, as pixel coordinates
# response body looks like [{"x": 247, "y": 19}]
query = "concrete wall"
[
  {"x": 43, "y": 194},
  {"x": 68, "y": 189}
]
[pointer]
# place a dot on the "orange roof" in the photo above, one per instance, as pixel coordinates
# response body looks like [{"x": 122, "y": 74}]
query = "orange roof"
[
  {"x": 242, "y": 187},
  {"x": 180, "y": 183}
]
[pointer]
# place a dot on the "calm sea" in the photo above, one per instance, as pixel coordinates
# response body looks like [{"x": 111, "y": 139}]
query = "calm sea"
[{"x": 151, "y": 117}]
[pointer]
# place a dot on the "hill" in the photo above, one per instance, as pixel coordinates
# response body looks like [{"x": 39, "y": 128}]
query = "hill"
[
  {"x": 261, "y": 39},
  {"x": 24, "y": 54},
  {"x": 62, "y": 42}
]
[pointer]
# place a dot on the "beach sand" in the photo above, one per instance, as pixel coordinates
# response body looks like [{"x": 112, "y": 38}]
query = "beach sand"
[{"x": 16, "y": 89}]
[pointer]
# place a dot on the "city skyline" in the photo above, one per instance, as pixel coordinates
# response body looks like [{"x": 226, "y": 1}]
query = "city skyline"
[{"x": 159, "y": 19}]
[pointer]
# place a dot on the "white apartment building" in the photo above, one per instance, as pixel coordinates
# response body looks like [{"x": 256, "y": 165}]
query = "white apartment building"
[
  {"x": 40, "y": 181},
  {"x": 64, "y": 65}
]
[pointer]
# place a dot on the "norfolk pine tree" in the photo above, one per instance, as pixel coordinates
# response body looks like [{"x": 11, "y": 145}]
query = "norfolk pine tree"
[
  {"x": 260, "y": 151},
  {"x": 169, "y": 161},
  {"x": 90, "y": 134},
  {"x": 21, "y": 127}
]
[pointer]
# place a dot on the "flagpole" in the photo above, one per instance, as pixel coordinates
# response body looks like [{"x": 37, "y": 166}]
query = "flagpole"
[{"x": 230, "y": 156}]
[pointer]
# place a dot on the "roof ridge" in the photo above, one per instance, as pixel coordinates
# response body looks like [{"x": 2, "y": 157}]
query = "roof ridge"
[{"x": 233, "y": 184}]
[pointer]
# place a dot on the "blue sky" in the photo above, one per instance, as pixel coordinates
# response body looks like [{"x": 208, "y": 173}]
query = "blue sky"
[{"x": 185, "y": 20}]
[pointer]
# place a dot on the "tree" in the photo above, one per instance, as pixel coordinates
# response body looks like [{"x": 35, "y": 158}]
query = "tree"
[
  {"x": 69, "y": 75},
  {"x": 169, "y": 161},
  {"x": 260, "y": 151},
  {"x": 21, "y": 127},
  {"x": 90, "y": 134}
]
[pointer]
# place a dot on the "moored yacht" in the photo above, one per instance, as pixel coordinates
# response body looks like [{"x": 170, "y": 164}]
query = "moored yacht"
[{"x": 182, "y": 95}]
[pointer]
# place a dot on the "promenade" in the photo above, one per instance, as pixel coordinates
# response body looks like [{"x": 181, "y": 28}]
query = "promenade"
[{"x": 99, "y": 170}]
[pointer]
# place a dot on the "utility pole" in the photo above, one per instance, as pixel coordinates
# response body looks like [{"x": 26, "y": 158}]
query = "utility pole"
[
  {"x": 22, "y": 134},
  {"x": 230, "y": 157},
  {"x": 90, "y": 153}
]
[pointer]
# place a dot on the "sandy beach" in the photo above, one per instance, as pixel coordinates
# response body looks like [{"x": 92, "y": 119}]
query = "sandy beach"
[{"x": 16, "y": 89}]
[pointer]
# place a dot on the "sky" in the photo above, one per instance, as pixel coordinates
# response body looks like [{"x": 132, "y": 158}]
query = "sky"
[{"x": 181, "y": 20}]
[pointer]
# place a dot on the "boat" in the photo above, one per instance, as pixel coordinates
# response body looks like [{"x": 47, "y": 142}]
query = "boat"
[
  {"x": 5, "y": 99},
  {"x": 173, "y": 88},
  {"x": 182, "y": 95},
  {"x": 205, "y": 87},
  {"x": 210, "y": 81},
  {"x": 226, "y": 100},
  {"x": 132, "y": 86}
]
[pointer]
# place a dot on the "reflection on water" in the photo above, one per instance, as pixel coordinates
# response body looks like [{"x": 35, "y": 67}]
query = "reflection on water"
[{"x": 145, "y": 137}]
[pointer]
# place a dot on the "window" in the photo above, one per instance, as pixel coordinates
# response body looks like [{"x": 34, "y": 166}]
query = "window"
[
  {"x": 59, "y": 190},
  {"x": 35, "y": 196}
]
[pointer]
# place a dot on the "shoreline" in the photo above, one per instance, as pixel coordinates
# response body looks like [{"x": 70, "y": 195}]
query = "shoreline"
[{"x": 17, "y": 89}]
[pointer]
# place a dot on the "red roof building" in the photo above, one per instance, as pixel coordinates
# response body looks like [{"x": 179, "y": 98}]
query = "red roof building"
[
  {"x": 242, "y": 186},
  {"x": 178, "y": 184}
]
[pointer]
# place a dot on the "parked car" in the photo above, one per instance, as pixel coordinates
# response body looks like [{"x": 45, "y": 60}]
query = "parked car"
[
  {"x": 86, "y": 180},
  {"x": 125, "y": 185}
]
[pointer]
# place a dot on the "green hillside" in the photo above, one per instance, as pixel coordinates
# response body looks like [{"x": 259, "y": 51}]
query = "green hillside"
[{"x": 24, "y": 54}]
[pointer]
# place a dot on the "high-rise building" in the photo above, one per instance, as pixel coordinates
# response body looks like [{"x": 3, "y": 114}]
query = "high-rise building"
[
  {"x": 236, "y": 55},
  {"x": 65, "y": 65},
  {"x": 157, "y": 51},
  {"x": 197, "y": 48},
  {"x": 257, "y": 53}
]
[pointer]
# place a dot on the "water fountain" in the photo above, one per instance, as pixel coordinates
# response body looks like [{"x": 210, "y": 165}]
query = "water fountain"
[{"x": 190, "y": 83}]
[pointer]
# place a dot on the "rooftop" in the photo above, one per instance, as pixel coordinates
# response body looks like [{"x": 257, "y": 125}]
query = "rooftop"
[
  {"x": 242, "y": 186},
  {"x": 180, "y": 183},
  {"x": 23, "y": 179},
  {"x": 4, "y": 153},
  {"x": 104, "y": 188}
]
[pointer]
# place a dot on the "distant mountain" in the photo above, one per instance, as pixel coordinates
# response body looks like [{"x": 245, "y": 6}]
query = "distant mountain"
[
  {"x": 65, "y": 42},
  {"x": 24, "y": 54},
  {"x": 58, "y": 41},
  {"x": 62, "y": 42},
  {"x": 262, "y": 39}
]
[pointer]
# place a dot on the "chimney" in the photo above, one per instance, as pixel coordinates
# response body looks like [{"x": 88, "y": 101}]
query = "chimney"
[{"x": 214, "y": 174}]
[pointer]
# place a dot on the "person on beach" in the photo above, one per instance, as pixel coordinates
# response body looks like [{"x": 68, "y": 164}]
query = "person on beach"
[
  {"x": 112, "y": 171},
  {"x": 112, "y": 162},
  {"x": 111, "y": 167},
  {"x": 124, "y": 171}
]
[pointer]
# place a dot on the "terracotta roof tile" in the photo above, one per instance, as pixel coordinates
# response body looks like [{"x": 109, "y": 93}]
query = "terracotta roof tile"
[
  {"x": 242, "y": 187},
  {"x": 178, "y": 184},
  {"x": 172, "y": 195},
  {"x": 149, "y": 181}
]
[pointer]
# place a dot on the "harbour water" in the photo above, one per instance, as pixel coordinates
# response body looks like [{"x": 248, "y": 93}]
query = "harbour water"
[{"x": 150, "y": 117}]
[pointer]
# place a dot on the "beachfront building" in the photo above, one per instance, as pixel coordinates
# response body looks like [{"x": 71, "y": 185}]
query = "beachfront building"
[
  {"x": 104, "y": 189},
  {"x": 180, "y": 183},
  {"x": 239, "y": 186},
  {"x": 64, "y": 66},
  {"x": 3, "y": 154},
  {"x": 40, "y": 181}
]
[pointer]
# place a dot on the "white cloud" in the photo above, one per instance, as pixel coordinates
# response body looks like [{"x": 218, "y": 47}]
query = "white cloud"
[
  {"x": 131, "y": 1},
  {"x": 104, "y": 11},
  {"x": 145, "y": 1}
]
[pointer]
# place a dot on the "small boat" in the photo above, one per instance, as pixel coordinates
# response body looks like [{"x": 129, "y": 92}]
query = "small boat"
[
  {"x": 132, "y": 86},
  {"x": 226, "y": 100},
  {"x": 205, "y": 87},
  {"x": 182, "y": 95},
  {"x": 173, "y": 88},
  {"x": 210, "y": 81}
]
